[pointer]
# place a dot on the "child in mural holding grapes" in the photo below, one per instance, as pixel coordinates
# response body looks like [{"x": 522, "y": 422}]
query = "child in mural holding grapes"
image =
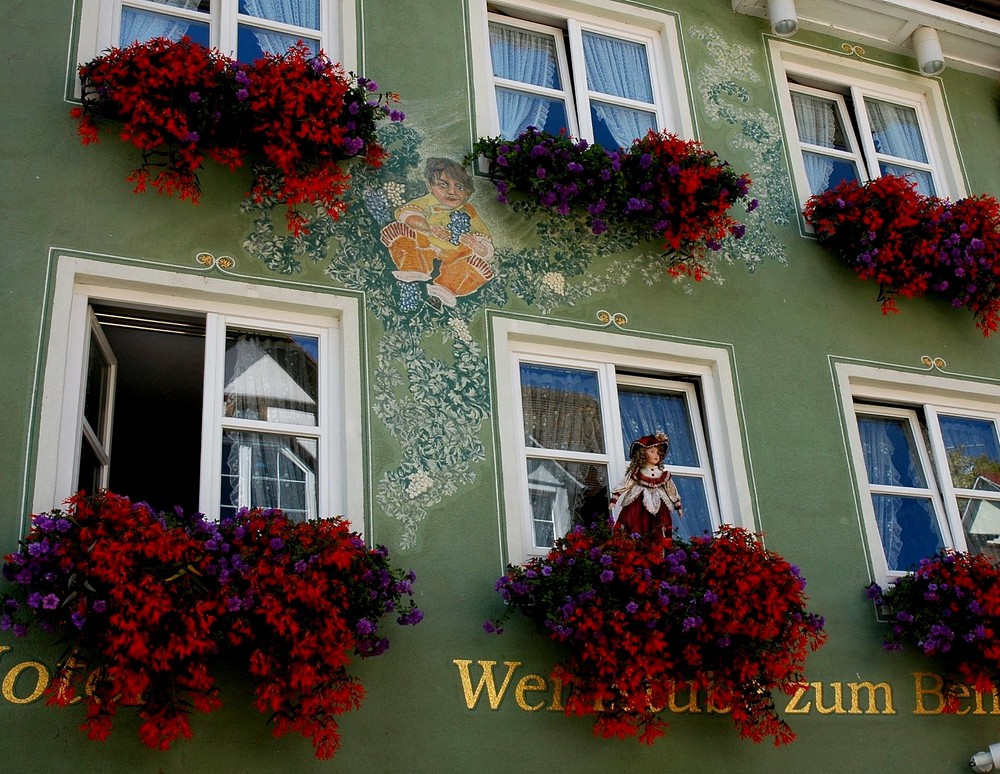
[{"x": 440, "y": 239}]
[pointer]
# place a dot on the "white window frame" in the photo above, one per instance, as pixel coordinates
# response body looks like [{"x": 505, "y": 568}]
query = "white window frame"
[
  {"x": 656, "y": 30},
  {"x": 864, "y": 79},
  {"x": 100, "y": 21},
  {"x": 334, "y": 319},
  {"x": 514, "y": 341},
  {"x": 887, "y": 392}
]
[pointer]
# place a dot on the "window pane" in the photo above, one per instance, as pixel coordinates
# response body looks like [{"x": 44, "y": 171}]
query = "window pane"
[
  {"x": 253, "y": 42},
  {"x": 617, "y": 67},
  {"x": 826, "y": 172},
  {"x": 908, "y": 528},
  {"x": 518, "y": 110},
  {"x": 95, "y": 404},
  {"x": 525, "y": 56},
  {"x": 300, "y": 13},
  {"x": 890, "y": 453},
  {"x": 616, "y": 126},
  {"x": 981, "y": 522},
  {"x": 895, "y": 130},
  {"x": 269, "y": 471},
  {"x": 142, "y": 26},
  {"x": 564, "y": 494},
  {"x": 562, "y": 408},
  {"x": 645, "y": 411},
  {"x": 973, "y": 452},
  {"x": 818, "y": 121},
  {"x": 89, "y": 478},
  {"x": 271, "y": 377},
  {"x": 697, "y": 518},
  {"x": 923, "y": 179}
]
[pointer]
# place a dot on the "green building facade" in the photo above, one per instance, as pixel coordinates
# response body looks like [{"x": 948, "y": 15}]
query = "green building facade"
[{"x": 779, "y": 382}]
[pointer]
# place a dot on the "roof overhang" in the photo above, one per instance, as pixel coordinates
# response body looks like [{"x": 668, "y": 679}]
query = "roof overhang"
[{"x": 970, "y": 40}]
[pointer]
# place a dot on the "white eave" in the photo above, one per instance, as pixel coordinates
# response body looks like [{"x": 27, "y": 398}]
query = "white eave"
[{"x": 970, "y": 41}]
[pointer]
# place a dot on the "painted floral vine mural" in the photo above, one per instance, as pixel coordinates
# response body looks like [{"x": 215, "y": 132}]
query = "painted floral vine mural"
[{"x": 430, "y": 386}]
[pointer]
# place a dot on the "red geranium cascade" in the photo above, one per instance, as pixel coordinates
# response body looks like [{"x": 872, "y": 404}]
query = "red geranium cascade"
[
  {"x": 913, "y": 244},
  {"x": 297, "y": 114},
  {"x": 147, "y": 602},
  {"x": 642, "y": 618}
]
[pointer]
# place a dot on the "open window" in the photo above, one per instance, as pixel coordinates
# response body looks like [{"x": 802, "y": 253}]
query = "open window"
[
  {"x": 202, "y": 401},
  {"x": 848, "y": 120}
]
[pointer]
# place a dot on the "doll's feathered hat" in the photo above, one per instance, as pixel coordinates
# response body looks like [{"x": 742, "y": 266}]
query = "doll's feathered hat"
[{"x": 648, "y": 441}]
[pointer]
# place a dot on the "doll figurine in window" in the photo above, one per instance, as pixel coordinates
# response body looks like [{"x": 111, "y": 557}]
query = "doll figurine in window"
[{"x": 647, "y": 495}]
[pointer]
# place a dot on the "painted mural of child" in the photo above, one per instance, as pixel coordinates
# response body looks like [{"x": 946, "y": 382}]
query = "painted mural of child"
[{"x": 441, "y": 227}]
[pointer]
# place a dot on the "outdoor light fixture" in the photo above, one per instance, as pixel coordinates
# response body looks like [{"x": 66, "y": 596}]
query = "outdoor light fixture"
[
  {"x": 982, "y": 762},
  {"x": 930, "y": 57},
  {"x": 784, "y": 21}
]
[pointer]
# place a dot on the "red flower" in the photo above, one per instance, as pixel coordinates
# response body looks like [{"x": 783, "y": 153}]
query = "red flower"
[
  {"x": 297, "y": 114},
  {"x": 145, "y": 601},
  {"x": 640, "y": 619},
  {"x": 913, "y": 244}
]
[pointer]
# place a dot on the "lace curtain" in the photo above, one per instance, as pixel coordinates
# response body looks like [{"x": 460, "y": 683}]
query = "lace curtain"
[
  {"x": 619, "y": 68},
  {"x": 525, "y": 57},
  {"x": 896, "y": 132},
  {"x": 301, "y": 13},
  {"x": 878, "y": 449},
  {"x": 816, "y": 120},
  {"x": 142, "y": 26}
]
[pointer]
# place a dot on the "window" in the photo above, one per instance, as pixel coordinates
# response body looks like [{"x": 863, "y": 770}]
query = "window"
[
  {"x": 927, "y": 454},
  {"x": 584, "y": 74},
  {"x": 199, "y": 400},
  {"x": 850, "y": 120},
  {"x": 569, "y": 404},
  {"x": 243, "y": 28}
]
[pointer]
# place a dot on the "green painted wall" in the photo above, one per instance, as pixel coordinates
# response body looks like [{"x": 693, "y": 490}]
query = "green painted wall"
[{"x": 783, "y": 323}]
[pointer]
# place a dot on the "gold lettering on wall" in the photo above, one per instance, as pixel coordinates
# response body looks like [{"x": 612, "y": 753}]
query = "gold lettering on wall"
[
  {"x": 10, "y": 680},
  {"x": 873, "y": 690}
]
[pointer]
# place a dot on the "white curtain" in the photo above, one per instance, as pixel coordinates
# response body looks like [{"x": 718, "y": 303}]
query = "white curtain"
[
  {"x": 645, "y": 413},
  {"x": 301, "y": 13},
  {"x": 816, "y": 120},
  {"x": 140, "y": 26},
  {"x": 895, "y": 130},
  {"x": 526, "y": 57},
  {"x": 619, "y": 68},
  {"x": 878, "y": 450}
]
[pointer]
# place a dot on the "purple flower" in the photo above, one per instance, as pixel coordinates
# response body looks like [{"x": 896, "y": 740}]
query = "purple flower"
[
  {"x": 396, "y": 115},
  {"x": 491, "y": 627},
  {"x": 365, "y": 626},
  {"x": 412, "y": 618},
  {"x": 353, "y": 108},
  {"x": 99, "y": 606},
  {"x": 575, "y": 167},
  {"x": 645, "y": 161},
  {"x": 541, "y": 173},
  {"x": 194, "y": 96},
  {"x": 607, "y": 576},
  {"x": 242, "y": 94},
  {"x": 753, "y": 205},
  {"x": 631, "y": 607},
  {"x": 50, "y": 602},
  {"x": 192, "y": 137}
]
